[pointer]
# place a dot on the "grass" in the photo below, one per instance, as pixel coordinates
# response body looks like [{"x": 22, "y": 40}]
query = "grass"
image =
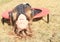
[
  {"x": 42, "y": 32},
  {"x": 4, "y": 1}
]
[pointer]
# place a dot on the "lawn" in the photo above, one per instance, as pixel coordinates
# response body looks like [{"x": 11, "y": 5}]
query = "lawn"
[
  {"x": 42, "y": 32},
  {"x": 4, "y": 1}
]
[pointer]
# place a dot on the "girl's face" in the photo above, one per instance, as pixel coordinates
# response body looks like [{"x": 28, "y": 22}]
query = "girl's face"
[{"x": 28, "y": 10}]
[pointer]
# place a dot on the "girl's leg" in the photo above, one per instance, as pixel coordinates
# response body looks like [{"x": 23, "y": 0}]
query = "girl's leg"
[{"x": 27, "y": 32}]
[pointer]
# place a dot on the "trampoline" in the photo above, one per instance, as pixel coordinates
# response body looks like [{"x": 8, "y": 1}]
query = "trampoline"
[
  {"x": 5, "y": 14},
  {"x": 38, "y": 12},
  {"x": 41, "y": 12}
]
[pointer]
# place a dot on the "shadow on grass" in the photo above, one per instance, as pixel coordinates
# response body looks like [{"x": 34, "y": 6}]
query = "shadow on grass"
[{"x": 37, "y": 19}]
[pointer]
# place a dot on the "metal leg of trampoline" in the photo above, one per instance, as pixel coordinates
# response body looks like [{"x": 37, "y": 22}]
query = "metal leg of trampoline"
[{"x": 48, "y": 18}]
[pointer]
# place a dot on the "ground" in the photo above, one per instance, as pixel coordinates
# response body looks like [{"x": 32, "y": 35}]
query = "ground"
[{"x": 42, "y": 32}]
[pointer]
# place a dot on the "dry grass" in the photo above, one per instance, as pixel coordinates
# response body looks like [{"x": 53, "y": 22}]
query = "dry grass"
[{"x": 42, "y": 32}]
